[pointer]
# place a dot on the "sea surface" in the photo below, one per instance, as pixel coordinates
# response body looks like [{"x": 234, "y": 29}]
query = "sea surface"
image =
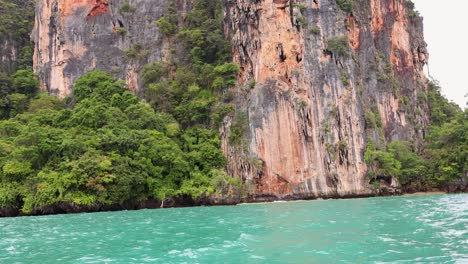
[{"x": 415, "y": 229}]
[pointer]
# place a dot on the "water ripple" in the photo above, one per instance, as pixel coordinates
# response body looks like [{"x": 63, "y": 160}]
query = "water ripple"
[{"x": 422, "y": 229}]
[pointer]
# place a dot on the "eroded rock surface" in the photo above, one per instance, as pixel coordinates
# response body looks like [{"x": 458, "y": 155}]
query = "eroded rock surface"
[
  {"x": 74, "y": 36},
  {"x": 306, "y": 104}
]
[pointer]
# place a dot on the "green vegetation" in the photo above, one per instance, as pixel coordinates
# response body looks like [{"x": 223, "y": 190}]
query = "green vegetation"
[
  {"x": 121, "y": 31},
  {"x": 339, "y": 46},
  {"x": 373, "y": 119},
  {"x": 197, "y": 90},
  {"x": 344, "y": 78},
  {"x": 127, "y": 9},
  {"x": 345, "y": 5},
  {"x": 412, "y": 12},
  {"x": 442, "y": 161},
  {"x": 16, "y": 23},
  {"x": 386, "y": 75},
  {"x": 17, "y": 17},
  {"x": 16, "y": 92},
  {"x": 447, "y": 142},
  {"x": 442, "y": 111},
  {"x": 136, "y": 51},
  {"x": 105, "y": 148},
  {"x": 301, "y": 6},
  {"x": 166, "y": 26},
  {"x": 238, "y": 128},
  {"x": 168, "y": 23},
  {"x": 303, "y": 104},
  {"x": 315, "y": 30},
  {"x": 17, "y": 82},
  {"x": 301, "y": 21}
]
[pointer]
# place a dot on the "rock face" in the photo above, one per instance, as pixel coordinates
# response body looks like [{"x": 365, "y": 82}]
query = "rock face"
[
  {"x": 72, "y": 37},
  {"x": 318, "y": 80},
  {"x": 311, "y": 74}
]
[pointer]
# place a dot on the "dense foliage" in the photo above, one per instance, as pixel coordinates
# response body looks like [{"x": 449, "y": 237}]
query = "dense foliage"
[
  {"x": 194, "y": 85},
  {"x": 443, "y": 160},
  {"x": 107, "y": 148},
  {"x": 17, "y": 18},
  {"x": 16, "y": 23},
  {"x": 345, "y": 5},
  {"x": 16, "y": 91},
  {"x": 17, "y": 85},
  {"x": 338, "y": 46}
]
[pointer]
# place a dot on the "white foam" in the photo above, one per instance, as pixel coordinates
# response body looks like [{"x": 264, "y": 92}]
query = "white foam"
[{"x": 387, "y": 239}]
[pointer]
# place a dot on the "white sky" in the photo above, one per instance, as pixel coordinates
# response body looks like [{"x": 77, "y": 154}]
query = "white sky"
[{"x": 446, "y": 33}]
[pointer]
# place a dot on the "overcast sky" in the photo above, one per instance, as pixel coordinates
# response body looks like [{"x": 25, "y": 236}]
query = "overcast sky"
[{"x": 446, "y": 33}]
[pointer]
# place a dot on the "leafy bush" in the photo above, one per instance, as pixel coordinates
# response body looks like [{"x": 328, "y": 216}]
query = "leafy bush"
[
  {"x": 442, "y": 110},
  {"x": 136, "y": 51},
  {"x": 344, "y": 78},
  {"x": 448, "y": 148},
  {"x": 153, "y": 72},
  {"x": 301, "y": 21},
  {"x": 109, "y": 148},
  {"x": 127, "y": 9},
  {"x": 167, "y": 24},
  {"x": 301, "y": 6},
  {"x": 97, "y": 85},
  {"x": 381, "y": 164},
  {"x": 373, "y": 119},
  {"x": 315, "y": 30},
  {"x": 339, "y": 46},
  {"x": 238, "y": 128},
  {"x": 16, "y": 92},
  {"x": 16, "y": 24},
  {"x": 193, "y": 86},
  {"x": 25, "y": 82},
  {"x": 412, "y": 13},
  {"x": 345, "y": 5},
  {"x": 121, "y": 31}
]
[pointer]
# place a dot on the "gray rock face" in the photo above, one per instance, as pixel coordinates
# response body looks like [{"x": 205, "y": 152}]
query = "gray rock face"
[
  {"x": 318, "y": 72},
  {"x": 73, "y": 37}
]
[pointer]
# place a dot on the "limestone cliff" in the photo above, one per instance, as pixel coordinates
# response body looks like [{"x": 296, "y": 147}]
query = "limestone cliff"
[
  {"x": 72, "y": 37},
  {"x": 319, "y": 79},
  {"x": 312, "y": 71}
]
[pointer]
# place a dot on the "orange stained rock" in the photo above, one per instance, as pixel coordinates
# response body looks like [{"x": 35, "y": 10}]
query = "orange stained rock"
[
  {"x": 280, "y": 46},
  {"x": 96, "y": 7},
  {"x": 101, "y": 7},
  {"x": 353, "y": 33},
  {"x": 401, "y": 55},
  {"x": 377, "y": 16}
]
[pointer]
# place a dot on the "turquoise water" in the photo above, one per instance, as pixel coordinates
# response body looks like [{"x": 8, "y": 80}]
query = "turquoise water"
[{"x": 418, "y": 229}]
